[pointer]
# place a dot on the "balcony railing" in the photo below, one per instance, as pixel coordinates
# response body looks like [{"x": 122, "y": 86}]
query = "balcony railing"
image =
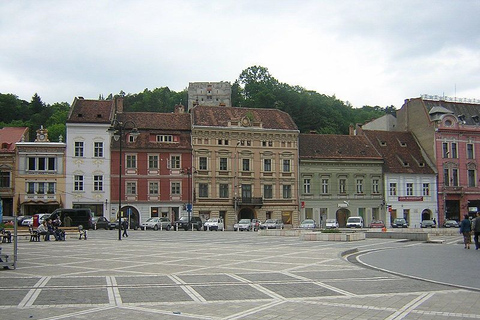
[{"x": 249, "y": 201}]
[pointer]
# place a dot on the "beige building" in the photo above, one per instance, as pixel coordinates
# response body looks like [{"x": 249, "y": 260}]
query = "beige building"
[
  {"x": 245, "y": 164},
  {"x": 40, "y": 180},
  {"x": 212, "y": 94}
]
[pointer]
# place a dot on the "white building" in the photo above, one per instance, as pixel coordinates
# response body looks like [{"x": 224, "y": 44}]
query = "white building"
[{"x": 211, "y": 94}]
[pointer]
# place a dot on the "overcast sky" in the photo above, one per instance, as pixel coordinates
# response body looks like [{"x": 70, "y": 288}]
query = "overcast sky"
[{"x": 366, "y": 52}]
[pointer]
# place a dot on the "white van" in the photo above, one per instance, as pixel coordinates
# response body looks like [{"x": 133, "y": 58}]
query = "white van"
[{"x": 355, "y": 222}]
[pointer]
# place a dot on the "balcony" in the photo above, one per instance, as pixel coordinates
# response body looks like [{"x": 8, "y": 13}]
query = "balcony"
[{"x": 249, "y": 201}]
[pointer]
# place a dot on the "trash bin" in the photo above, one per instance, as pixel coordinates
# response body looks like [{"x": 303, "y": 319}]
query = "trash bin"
[{"x": 35, "y": 221}]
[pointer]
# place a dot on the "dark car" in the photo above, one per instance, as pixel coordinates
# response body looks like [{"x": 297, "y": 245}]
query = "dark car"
[
  {"x": 100, "y": 223},
  {"x": 399, "y": 223},
  {"x": 428, "y": 224},
  {"x": 451, "y": 224},
  {"x": 194, "y": 223}
]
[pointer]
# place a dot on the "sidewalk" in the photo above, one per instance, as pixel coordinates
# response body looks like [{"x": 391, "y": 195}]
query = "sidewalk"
[{"x": 214, "y": 275}]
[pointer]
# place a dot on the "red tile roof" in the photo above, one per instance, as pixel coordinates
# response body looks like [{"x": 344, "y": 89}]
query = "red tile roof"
[
  {"x": 336, "y": 147},
  {"x": 90, "y": 111},
  {"x": 10, "y": 135},
  {"x": 220, "y": 117},
  {"x": 400, "y": 151}
]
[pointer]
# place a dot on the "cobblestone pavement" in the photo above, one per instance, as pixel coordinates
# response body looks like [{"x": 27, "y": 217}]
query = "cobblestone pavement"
[{"x": 214, "y": 275}]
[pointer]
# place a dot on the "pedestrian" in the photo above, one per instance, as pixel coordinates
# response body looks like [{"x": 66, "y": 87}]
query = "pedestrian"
[
  {"x": 466, "y": 230},
  {"x": 125, "y": 227},
  {"x": 67, "y": 221},
  {"x": 476, "y": 230},
  {"x": 435, "y": 222}
]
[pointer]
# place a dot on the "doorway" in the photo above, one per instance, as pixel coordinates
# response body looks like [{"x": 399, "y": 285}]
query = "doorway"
[{"x": 342, "y": 216}]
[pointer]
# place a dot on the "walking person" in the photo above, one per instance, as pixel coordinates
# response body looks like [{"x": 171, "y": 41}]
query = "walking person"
[
  {"x": 125, "y": 227},
  {"x": 476, "y": 230},
  {"x": 466, "y": 230}
]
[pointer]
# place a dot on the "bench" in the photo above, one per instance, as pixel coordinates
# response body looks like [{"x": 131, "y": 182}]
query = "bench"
[
  {"x": 4, "y": 261},
  {"x": 82, "y": 233},
  {"x": 34, "y": 235}
]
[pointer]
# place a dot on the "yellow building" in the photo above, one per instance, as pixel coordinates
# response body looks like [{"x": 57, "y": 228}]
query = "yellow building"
[{"x": 245, "y": 164}]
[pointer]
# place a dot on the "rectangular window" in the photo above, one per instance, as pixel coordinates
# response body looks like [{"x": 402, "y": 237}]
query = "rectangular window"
[
  {"x": 287, "y": 191},
  {"x": 78, "y": 149},
  {"x": 267, "y": 165},
  {"x": 131, "y": 161},
  {"x": 246, "y": 164},
  {"x": 153, "y": 188},
  {"x": 41, "y": 188},
  {"x": 4, "y": 179},
  {"x": 409, "y": 189},
  {"x": 426, "y": 189},
  {"x": 51, "y": 164},
  {"x": 375, "y": 186},
  {"x": 454, "y": 150},
  {"x": 131, "y": 188},
  {"x": 223, "y": 188},
  {"x": 203, "y": 190},
  {"x": 469, "y": 150},
  {"x": 175, "y": 188},
  {"x": 455, "y": 177},
  {"x": 286, "y": 165},
  {"x": 342, "y": 185},
  {"x": 268, "y": 191},
  {"x": 41, "y": 164},
  {"x": 78, "y": 183},
  {"x": 392, "y": 190},
  {"x": 471, "y": 178},
  {"x": 325, "y": 186},
  {"x": 32, "y": 164},
  {"x": 202, "y": 163},
  {"x": 175, "y": 162},
  {"x": 31, "y": 188},
  {"x": 164, "y": 138},
  {"x": 446, "y": 177},
  {"x": 97, "y": 183},
  {"x": 153, "y": 162},
  {"x": 359, "y": 185},
  {"x": 445, "y": 150},
  {"x": 98, "y": 149},
  {"x": 306, "y": 186},
  {"x": 51, "y": 188},
  {"x": 223, "y": 164}
]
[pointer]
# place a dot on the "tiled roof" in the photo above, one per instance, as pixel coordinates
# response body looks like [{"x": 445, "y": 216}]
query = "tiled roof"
[
  {"x": 90, "y": 111},
  {"x": 220, "y": 117},
  {"x": 457, "y": 108},
  {"x": 400, "y": 151},
  {"x": 340, "y": 147},
  {"x": 9, "y": 136}
]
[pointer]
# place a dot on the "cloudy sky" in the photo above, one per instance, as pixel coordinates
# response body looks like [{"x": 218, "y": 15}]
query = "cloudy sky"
[{"x": 367, "y": 52}]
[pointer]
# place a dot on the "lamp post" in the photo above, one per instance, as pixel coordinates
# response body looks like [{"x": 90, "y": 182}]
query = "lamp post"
[
  {"x": 235, "y": 183},
  {"x": 117, "y": 129},
  {"x": 189, "y": 171}
]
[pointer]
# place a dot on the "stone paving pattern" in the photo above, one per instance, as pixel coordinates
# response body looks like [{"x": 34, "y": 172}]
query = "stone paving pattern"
[{"x": 215, "y": 275}]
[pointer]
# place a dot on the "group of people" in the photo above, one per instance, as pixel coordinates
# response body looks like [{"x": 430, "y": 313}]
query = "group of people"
[
  {"x": 49, "y": 227},
  {"x": 468, "y": 226}
]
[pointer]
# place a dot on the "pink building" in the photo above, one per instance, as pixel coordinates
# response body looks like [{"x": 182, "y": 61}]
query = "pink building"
[{"x": 449, "y": 132}]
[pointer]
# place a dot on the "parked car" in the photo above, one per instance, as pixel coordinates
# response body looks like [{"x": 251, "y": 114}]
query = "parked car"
[
  {"x": 243, "y": 224},
  {"x": 451, "y": 224},
  {"x": 399, "y": 223},
  {"x": 272, "y": 224},
  {"x": 100, "y": 223},
  {"x": 114, "y": 224},
  {"x": 41, "y": 217},
  {"x": 377, "y": 224},
  {"x": 214, "y": 224},
  {"x": 428, "y": 224},
  {"x": 21, "y": 218},
  {"x": 331, "y": 224},
  {"x": 195, "y": 223},
  {"x": 308, "y": 224},
  {"x": 156, "y": 223},
  {"x": 355, "y": 222}
]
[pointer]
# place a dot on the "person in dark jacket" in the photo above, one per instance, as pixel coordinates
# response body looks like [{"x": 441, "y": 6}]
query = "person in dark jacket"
[
  {"x": 125, "y": 227},
  {"x": 466, "y": 230},
  {"x": 476, "y": 230}
]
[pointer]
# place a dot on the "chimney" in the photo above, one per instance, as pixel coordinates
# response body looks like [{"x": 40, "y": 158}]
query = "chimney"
[
  {"x": 119, "y": 104},
  {"x": 179, "y": 109},
  {"x": 351, "y": 131}
]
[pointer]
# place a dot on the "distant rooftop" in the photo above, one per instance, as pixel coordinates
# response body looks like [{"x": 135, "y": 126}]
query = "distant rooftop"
[{"x": 449, "y": 99}]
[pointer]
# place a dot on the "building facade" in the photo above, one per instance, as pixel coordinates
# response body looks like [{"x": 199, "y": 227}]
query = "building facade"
[
  {"x": 40, "y": 180},
  {"x": 449, "y": 132},
  {"x": 9, "y": 136},
  {"x": 246, "y": 164},
  {"x": 340, "y": 176},
  {"x": 410, "y": 179},
  {"x": 209, "y": 94}
]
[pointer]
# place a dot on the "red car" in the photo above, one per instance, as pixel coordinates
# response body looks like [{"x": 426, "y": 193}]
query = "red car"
[{"x": 377, "y": 224}]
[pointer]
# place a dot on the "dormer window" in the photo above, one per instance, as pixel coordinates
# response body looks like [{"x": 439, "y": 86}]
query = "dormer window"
[
  {"x": 382, "y": 143},
  {"x": 164, "y": 138},
  {"x": 99, "y": 115}
]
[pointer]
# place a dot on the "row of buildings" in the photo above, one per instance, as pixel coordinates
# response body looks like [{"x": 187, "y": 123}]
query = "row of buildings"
[{"x": 211, "y": 159}]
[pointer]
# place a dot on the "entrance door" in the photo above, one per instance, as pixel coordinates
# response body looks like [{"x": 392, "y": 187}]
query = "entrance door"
[{"x": 342, "y": 216}]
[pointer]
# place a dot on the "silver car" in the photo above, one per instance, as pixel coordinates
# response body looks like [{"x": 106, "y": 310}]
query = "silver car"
[
  {"x": 157, "y": 223},
  {"x": 272, "y": 224},
  {"x": 243, "y": 224},
  {"x": 308, "y": 224}
]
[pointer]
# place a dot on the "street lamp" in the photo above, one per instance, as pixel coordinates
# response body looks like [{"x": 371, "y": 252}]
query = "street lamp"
[
  {"x": 189, "y": 171},
  {"x": 117, "y": 129},
  {"x": 235, "y": 183}
]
